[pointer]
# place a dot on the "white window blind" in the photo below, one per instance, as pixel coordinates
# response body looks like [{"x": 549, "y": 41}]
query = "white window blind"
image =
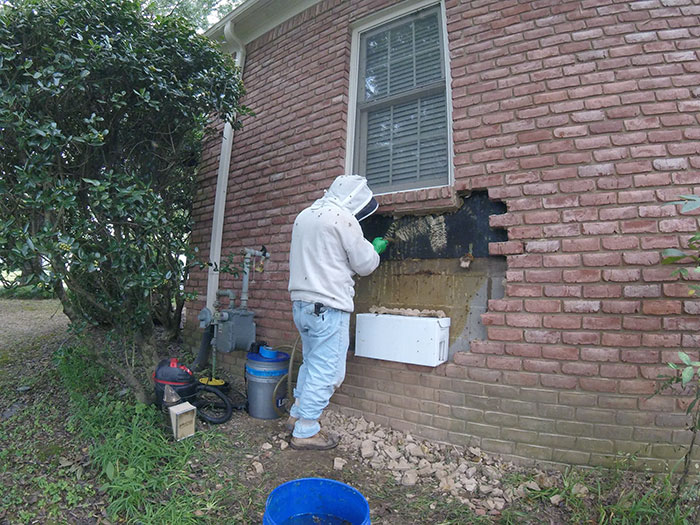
[{"x": 401, "y": 140}]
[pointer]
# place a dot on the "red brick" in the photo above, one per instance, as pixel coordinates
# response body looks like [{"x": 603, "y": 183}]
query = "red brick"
[
  {"x": 690, "y": 341},
  {"x": 626, "y": 275},
  {"x": 598, "y": 199},
  {"x": 691, "y": 307},
  {"x": 639, "y": 356},
  {"x": 618, "y": 371},
  {"x": 566, "y": 322},
  {"x": 661, "y": 307},
  {"x": 486, "y": 347},
  {"x": 657, "y": 373},
  {"x": 487, "y": 376},
  {"x": 582, "y": 306},
  {"x": 687, "y": 224},
  {"x": 671, "y": 356},
  {"x": 492, "y": 319},
  {"x": 562, "y": 291},
  {"x": 468, "y": 359},
  {"x": 641, "y": 323},
  {"x": 515, "y": 275},
  {"x": 622, "y": 339},
  {"x": 541, "y": 188},
  {"x": 601, "y": 259},
  {"x": 504, "y": 334},
  {"x": 581, "y": 276},
  {"x": 681, "y": 323},
  {"x": 576, "y": 186},
  {"x": 505, "y": 248},
  {"x": 621, "y": 307},
  {"x": 542, "y": 246},
  {"x": 580, "y": 245},
  {"x": 580, "y": 338},
  {"x": 639, "y": 226},
  {"x": 525, "y": 232},
  {"x": 520, "y": 378},
  {"x": 562, "y": 230},
  {"x": 523, "y": 290},
  {"x": 543, "y": 276},
  {"x": 603, "y": 290},
  {"x": 505, "y": 305},
  {"x": 542, "y": 336},
  {"x": 600, "y": 354},
  {"x": 625, "y": 212},
  {"x": 537, "y": 365},
  {"x": 658, "y": 274},
  {"x": 601, "y": 228},
  {"x": 636, "y": 387},
  {"x": 580, "y": 369},
  {"x": 521, "y": 320},
  {"x": 642, "y": 258},
  {"x": 621, "y": 242},
  {"x": 597, "y": 385},
  {"x": 559, "y": 382},
  {"x": 602, "y": 323},
  {"x": 579, "y": 215},
  {"x": 642, "y": 290},
  {"x": 596, "y": 170},
  {"x": 503, "y": 363},
  {"x": 661, "y": 340},
  {"x": 523, "y": 349},
  {"x": 552, "y": 261},
  {"x": 542, "y": 305},
  {"x": 541, "y": 217}
]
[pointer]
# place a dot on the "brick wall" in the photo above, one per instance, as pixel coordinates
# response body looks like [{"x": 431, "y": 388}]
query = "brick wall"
[{"x": 582, "y": 117}]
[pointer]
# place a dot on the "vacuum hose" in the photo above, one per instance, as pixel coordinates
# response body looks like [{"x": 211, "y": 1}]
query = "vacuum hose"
[{"x": 282, "y": 411}]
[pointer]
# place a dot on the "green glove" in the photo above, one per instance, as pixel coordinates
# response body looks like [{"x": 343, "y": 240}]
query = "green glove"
[{"x": 380, "y": 244}]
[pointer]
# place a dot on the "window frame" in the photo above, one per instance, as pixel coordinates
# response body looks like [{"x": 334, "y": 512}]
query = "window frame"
[{"x": 387, "y": 17}]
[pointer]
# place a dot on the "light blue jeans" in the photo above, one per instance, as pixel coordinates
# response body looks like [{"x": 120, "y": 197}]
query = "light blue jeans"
[{"x": 325, "y": 338}]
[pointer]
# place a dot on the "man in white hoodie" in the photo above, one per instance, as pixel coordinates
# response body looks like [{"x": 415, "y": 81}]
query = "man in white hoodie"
[{"x": 328, "y": 249}]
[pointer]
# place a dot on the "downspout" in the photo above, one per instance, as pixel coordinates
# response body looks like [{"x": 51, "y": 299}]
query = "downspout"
[{"x": 238, "y": 48}]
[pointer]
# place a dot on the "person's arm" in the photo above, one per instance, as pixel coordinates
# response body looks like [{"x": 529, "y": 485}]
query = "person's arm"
[{"x": 361, "y": 254}]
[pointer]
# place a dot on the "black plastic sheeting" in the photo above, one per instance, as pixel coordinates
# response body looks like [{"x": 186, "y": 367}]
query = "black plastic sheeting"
[{"x": 466, "y": 230}]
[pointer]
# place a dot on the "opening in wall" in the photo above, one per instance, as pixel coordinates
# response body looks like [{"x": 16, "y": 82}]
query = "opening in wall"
[{"x": 439, "y": 262}]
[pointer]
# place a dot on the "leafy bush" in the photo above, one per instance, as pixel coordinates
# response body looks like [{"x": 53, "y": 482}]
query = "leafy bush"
[{"x": 103, "y": 109}]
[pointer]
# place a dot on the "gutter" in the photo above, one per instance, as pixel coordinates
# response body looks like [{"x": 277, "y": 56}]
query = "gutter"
[
  {"x": 248, "y": 21},
  {"x": 237, "y": 47}
]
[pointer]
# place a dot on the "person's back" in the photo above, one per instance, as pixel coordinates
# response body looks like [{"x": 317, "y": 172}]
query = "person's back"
[
  {"x": 327, "y": 249},
  {"x": 328, "y": 246}
]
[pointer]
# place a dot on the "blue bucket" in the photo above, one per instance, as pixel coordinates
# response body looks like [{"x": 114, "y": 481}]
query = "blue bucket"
[{"x": 316, "y": 501}]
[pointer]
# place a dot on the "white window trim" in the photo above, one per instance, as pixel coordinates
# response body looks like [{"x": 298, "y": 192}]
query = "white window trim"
[{"x": 382, "y": 17}]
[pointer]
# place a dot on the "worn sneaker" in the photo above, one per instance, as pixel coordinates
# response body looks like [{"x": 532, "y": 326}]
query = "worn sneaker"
[
  {"x": 319, "y": 441},
  {"x": 289, "y": 425}
]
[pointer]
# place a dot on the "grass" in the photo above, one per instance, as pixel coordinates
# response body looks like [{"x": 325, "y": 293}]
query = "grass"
[
  {"x": 25, "y": 292},
  {"x": 146, "y": 475}
]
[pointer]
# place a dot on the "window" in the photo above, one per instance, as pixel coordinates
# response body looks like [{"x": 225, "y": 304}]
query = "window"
[{"x": 400, "y": 104}]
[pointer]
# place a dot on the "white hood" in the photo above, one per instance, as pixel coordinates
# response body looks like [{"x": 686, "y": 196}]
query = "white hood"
[{"x": 349, "y": 192}]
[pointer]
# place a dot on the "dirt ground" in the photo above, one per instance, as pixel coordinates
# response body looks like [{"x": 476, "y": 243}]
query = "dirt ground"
[{"x": 251, "y": 456}]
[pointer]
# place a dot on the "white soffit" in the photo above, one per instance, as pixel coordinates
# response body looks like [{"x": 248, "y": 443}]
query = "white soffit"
[{"x": 254, "y": 18}]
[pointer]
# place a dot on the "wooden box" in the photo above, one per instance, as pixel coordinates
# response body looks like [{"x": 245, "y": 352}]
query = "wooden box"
[{"x": 182, "y": 418}]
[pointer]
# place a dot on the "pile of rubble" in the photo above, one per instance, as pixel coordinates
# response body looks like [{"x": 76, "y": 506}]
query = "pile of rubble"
[{"x": 466, "y": 474}]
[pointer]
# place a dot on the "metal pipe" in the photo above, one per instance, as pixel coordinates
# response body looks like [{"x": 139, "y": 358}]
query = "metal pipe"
[
  {"x": 248, "y": 253},
  {"x": 222, "y": 180}
]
